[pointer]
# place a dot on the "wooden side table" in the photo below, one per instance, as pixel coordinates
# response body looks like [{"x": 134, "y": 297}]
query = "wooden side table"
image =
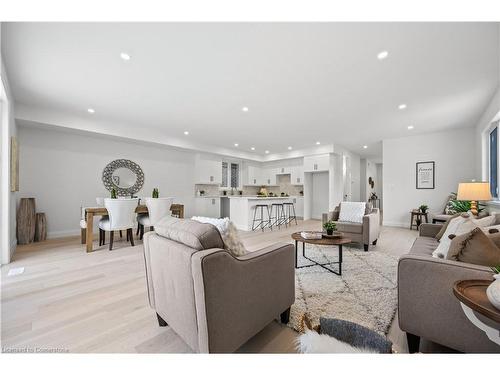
[
  {"x": 417, "y": 215},
  {"x": 472, "y": 297}
]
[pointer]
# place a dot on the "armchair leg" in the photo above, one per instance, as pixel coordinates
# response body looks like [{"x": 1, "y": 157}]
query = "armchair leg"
[
  {"x": 413, "y": 342},
  {"x": 130, "y": 235},
  {"x": 111, "y": 238},
  {"x": 374, "y": 242},
  {"x": 285, "y": 316},
  {"x": 366, "y": 247},
  {"x": 161, "y": 322}
]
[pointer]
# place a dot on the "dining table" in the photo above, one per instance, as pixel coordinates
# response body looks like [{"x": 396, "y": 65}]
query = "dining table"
[{"x": 87, "y": 234}]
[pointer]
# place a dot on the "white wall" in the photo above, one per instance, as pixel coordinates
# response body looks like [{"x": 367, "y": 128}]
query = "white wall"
[
  {"x": 368, "y": 169},
  {"x": 62, "y": 170},
  {"x": 319, "y": 194},
  {"x": 7, "y": 198},
  {"x": 379, "y": 183},
  {"x": 453, "y": 151}
]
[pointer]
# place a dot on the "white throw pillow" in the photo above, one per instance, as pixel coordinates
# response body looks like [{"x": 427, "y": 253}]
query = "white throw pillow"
[
  {"x": 352, "y": 212},
  {"x": 457, "y": 226},
  {"x": 313, "y": 342},
  {"x": 228, "y": 232}
]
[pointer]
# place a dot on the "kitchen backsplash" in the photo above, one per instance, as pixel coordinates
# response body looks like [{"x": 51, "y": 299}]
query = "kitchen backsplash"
[{"x": 285, "y": 186}]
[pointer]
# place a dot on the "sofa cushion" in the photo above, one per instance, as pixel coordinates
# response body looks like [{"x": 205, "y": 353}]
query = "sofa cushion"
[
  {"x": 199, "y": 236},
  {"x": 476, "y": 247},
  {"x": 343, "y": 226},
  {"x": 424, "y": 246}
]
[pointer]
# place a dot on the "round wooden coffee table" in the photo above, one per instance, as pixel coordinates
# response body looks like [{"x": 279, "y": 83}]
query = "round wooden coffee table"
[
  {"x": 324, "y": 242},
  {"x": 472, "y": 297}
]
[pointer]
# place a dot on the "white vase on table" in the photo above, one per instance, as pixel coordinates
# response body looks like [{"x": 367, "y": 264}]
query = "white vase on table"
[{"x": 493, "y": 292}]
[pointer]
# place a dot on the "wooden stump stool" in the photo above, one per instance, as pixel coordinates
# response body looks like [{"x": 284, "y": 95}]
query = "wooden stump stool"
[
  {"x": 40, "y": 227},
  {"x": 26, "y": 215}
]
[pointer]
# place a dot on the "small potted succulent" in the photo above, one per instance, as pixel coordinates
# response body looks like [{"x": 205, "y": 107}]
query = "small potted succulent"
[
  {"x": 329, "y": 226},
  {"x": 493, "y": 291},
  {"x": 113, "y": 194},
  {"x": 156, "y": 193},
  {"x": 423, "y": 208}
]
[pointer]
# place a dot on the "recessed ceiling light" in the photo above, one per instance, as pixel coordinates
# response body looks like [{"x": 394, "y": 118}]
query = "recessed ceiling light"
[
  {"x": 244, "y": 109},
  {"x": 91, "y": 110},
  {"x": 365, "y": 146},
  {"x": 289, "y": 147},
  {"x": 267, "y": 151},
  {"x": 125, "y": 56},
  {"x": 252, "y": 148},
  {"x": 402, "y": 106},
  {"x": 382, "y": 55},
  {"x": 236, "y": 145},
  {"x": 410, "y": 127},
  {"x": 186, "y": 133},
  {"x": 318, "y": 143}
]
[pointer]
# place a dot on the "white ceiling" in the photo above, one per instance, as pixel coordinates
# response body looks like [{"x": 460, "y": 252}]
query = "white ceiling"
[{"x": 302, "y": 82}]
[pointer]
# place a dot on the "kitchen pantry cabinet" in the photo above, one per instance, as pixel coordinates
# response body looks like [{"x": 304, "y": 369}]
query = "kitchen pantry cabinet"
[{"x": 317, "y": 163}]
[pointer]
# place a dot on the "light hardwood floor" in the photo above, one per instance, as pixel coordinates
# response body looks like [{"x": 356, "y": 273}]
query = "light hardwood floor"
[{"x": 73, "y": 301}]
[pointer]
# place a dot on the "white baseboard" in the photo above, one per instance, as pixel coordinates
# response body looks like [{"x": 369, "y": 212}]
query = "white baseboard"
[
  {"x": 63, "y": 233},
  {"x": 394, "y": 224}
]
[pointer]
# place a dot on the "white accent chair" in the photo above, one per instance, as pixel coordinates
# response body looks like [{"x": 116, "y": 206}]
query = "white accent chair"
[
  {"x": 121, "y": 217},
  {"x": 158, "y": 208}
]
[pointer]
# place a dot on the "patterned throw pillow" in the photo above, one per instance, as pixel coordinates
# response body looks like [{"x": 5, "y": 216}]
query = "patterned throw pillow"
[
  {"x": 352, "y": 212},
  {"x": 476, "y": 248}
]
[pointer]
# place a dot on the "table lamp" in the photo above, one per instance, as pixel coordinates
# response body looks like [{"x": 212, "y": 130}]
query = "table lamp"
[{"x": 474, "y": 192}]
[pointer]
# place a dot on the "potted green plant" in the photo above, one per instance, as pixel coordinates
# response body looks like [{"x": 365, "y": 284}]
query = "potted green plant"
[
  {"x": 156, "y": 193},
  {"x": 113, "y": 194},
  {"x": 329, "y": 226},
  {"x": 423, "y": 208}
]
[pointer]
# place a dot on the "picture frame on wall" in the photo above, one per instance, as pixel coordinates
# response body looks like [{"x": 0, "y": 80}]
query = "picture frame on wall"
[{"x": 425, "y": 175}]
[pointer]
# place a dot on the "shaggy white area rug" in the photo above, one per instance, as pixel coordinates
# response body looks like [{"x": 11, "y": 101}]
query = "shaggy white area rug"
[{"x": 365, "y": 293}]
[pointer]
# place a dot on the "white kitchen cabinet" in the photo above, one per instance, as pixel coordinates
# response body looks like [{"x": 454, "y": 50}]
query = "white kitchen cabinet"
[
  {"x": 299, "y": 206},
  {"x": 283, "y": 170},
  {"x": 268, "y": 176},
  {"x": 317, "y": 163},
  {"x": 253, "y": 175},
  {"x": 297, "y": 175},
  {"x": 208, "y": 171},
  {"x": 207, "y": 207}
]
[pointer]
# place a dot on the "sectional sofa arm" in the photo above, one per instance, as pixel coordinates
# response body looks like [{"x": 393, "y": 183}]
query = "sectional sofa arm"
[
  {"x": 429, "y": 230},
  {"x": 237, "y": 297},
  {"x": 427, "y": 306}
]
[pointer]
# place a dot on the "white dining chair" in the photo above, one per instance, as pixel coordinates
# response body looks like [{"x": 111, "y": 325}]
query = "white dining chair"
[
  {"x": 158, "y": 208},
  {"x": 121, "y": 217}
]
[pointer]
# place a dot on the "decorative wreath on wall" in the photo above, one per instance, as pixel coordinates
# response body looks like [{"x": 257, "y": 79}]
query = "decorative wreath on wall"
[{"x": 109, "y": 183}]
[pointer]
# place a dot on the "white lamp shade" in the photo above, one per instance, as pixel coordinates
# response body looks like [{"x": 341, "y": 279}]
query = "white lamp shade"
[{"x": 474, "y": 191}]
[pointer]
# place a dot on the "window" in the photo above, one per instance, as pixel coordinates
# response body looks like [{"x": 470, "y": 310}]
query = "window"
[
  {"x": 494, "y": 162},
  {"x": 230, "y": 174}
]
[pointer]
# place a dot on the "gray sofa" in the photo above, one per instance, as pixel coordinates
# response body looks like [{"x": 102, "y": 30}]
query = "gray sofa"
[
  {"x": 366, "y": 233},
  {"x": 427, "y": 307},
  {"x": 212, "y": 300}
]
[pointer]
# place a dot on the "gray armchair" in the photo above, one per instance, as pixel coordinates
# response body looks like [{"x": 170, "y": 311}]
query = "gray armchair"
[
  {"x": 366, "y": 233},
  {"x": 212, "y": 300}
]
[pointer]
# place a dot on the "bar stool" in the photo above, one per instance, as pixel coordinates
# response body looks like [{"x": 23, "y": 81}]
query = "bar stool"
[
  {"x": 260, "y": 221},
  {"x": 279, "y": 215},
  {"x": 289, "y": 208}
]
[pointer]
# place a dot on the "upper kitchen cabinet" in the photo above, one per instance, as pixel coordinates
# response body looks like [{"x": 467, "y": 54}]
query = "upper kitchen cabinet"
[
  {"x": 253, "y": 175},
  {"x": 208, "y": 170},
  {"x": 297, "y": 175},
  {"x": 268, "y": 176},
  {"x": 317, "y": 163},
  {"x": 283, "y": 170}
]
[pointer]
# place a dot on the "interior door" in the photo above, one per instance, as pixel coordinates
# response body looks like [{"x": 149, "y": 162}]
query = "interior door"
[
  {"x": 347, "y": 178},
  {"x": 320, "y": 194}
]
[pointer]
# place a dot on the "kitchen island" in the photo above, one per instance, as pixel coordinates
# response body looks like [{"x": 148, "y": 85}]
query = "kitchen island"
[{"x": 242, "y": 208}]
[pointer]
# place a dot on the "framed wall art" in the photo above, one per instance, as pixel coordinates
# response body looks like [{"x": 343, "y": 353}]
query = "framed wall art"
[{"x": 426, "y": 174}]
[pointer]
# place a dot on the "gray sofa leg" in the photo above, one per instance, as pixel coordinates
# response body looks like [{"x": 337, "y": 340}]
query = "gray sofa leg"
[
  {"x": 366, "y": 247},
  {"x": 285, "y": 316},
  {"x": 413, "y": 342},
  {"x": 161, "y": 322},
  {"x": 374, "y": 242}
]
